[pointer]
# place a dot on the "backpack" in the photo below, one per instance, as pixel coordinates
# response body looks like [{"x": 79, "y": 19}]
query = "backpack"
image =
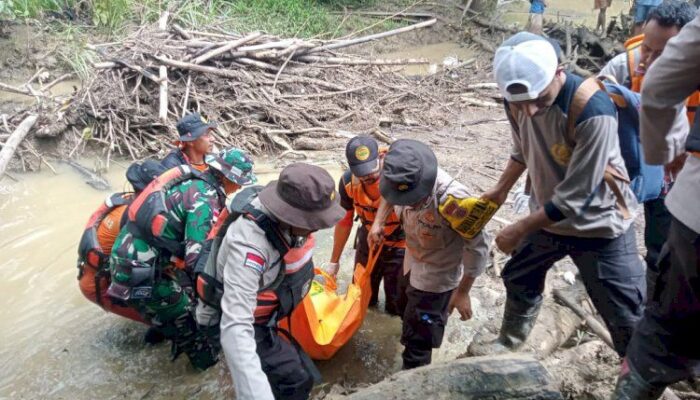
[{"x": 646, "y": 181}]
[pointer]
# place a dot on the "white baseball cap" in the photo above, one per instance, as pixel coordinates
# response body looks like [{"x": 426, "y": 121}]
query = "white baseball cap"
[{"x": 531, "y": 63}]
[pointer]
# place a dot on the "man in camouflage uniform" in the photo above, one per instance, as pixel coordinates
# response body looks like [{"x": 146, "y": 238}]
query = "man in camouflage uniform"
[{"x": 192, "y": 208}]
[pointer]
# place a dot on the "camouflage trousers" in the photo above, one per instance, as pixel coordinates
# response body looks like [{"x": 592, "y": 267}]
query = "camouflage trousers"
[{"x": 145, "y": 280}]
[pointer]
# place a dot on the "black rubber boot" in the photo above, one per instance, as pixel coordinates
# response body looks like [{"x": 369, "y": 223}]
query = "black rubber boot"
[
  {"x": 631, "y": 386},
  {"x": 154, "y": 336},
  {"x": 518, "y": 321}
]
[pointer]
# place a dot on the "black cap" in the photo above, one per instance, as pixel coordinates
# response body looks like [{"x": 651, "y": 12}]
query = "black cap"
[
  {"x": 192, "y": 126},
  {"x": 409, "y": 172},
  {"x": 362, "y": 153},
  {"x": 140, "y": 174}
]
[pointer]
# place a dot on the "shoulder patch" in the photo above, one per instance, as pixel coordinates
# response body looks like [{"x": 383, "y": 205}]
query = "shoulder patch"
[{"x": 255, "y": 262}]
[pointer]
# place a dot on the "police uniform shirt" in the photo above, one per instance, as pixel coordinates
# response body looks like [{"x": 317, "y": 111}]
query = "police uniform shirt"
[
  {"x": 248, "y": 262},
  {"x": 436, "y": 255}
]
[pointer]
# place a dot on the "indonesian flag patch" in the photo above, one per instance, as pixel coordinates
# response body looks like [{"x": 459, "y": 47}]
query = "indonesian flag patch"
[{"x": 254, "y": 261}]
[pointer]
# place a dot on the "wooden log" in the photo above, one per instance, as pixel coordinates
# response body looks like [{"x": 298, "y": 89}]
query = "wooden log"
[
  {"x": 15, "y": 90},
  {"x": 194, "y": 67},
  {"x": 105, "y": 65},
  {"x": 510, "y": 376},
  {"x": 478, "y": 103},
  {"x": 486, "y": 24},
  {"x": 163, "y": 106},
  {"x": 177, "y": 28},
  {"x": 464, "y": 12},
  {"x": 324, "y": 94},
  {"x": 8, "y": 150},
  {"x": 115, "y": 62},
  {"x": 260, "y": 64},
  {"x": 352, "y": 61},
  {"x": 282, "y": 44},
  {"x": 364, "y": 39},
  {"x": 228, "y": 46},
  {"x": 391, "y": 14},
  {"x": 57, "y": 80},
  {"x": 597, "y": 328},
  {"x": 483, "y": 43},
  {"x": 486, "y": 85}
]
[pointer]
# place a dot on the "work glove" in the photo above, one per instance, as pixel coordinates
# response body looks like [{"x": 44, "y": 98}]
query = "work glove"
[
  {"x": 521, "y": 201},
  {"x": 331, "y": 268}
]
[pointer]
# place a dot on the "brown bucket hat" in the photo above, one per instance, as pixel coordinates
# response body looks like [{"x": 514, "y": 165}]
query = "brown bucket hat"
[{"x": 303, "y": 197}]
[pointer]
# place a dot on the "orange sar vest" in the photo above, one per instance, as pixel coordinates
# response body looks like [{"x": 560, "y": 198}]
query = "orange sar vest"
[
  {"x": 366, "y": 210},
  {"x": 636, "y": 77}
]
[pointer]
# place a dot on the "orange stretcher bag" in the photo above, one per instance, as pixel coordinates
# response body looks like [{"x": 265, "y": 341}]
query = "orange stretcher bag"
[{"x": 325, "y": 320}]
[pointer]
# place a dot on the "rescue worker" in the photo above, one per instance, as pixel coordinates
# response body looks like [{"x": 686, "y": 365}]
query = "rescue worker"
[
  {"x": 664, "y": 348},
  {"x": 662, "y": 23},
  {"x": 440, "y": 264},
  {"x": 153, "y": 258},
  {"x": 359, "y": 195},
  {"x": 265, "y": 264},
  {"x": 564, "y": 133},
  {"x": 628, "y": 69},
  {"x": 194, "y": 143},
  {"x": 100, "y": 233}
]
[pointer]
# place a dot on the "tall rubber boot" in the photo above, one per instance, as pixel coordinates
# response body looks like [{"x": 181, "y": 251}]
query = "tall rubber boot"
[
  {"x": 518, "y": 321},
  {"x": 631, "y": 386}
]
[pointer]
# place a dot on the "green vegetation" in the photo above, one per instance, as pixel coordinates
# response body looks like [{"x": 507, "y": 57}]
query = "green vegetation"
[{"x": 302, "y": 18}]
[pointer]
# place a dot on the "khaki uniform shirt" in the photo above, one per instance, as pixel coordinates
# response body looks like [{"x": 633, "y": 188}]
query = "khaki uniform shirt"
[
  {"x": 436, "y": 255},
  {"x": 669, "y": 81}
]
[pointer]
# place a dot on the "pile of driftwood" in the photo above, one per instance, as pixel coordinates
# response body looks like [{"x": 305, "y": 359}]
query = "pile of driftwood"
[
  {"x": 266, "y": 93},
  {"x": 583, "y": 51}
]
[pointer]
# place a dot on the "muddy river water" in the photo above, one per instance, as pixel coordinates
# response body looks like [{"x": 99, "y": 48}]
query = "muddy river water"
[{"x": 56, "y": 344}]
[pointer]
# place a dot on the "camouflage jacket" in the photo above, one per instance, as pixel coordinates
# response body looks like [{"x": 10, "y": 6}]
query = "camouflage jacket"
[{"x": 193, "y": 207}]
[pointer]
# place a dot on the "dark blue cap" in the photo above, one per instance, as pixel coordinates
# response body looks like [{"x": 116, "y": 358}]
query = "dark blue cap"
[
  {"x": 192, "y": 126},
  {"x": 362, "y": 153}
]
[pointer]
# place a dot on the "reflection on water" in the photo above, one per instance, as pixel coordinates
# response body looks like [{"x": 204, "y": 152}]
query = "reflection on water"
[{"x": 56, "y": 344}]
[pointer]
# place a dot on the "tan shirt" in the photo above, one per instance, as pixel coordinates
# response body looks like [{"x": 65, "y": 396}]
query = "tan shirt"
[
  {"x": 436, "y": 255},
  {"x": 669, "y": 81}
]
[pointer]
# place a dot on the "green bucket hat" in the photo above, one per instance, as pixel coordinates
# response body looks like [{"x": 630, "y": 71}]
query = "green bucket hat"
[{"x": 234, "y": 164}]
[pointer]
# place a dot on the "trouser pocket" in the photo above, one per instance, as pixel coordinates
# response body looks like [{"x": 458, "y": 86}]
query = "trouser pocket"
[{"x": 424, "y": 330}]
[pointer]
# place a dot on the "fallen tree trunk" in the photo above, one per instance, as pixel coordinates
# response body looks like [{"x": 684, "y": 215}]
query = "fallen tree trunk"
[
  {"x": 554, "y": 326},
  {"x": 598, "y": 328},
  {"x": 512, "y": 376},
  {"x": 595, "y": 326},
  {"x": 368, "y": 38},
  {"x": 14, "y": 140}
]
